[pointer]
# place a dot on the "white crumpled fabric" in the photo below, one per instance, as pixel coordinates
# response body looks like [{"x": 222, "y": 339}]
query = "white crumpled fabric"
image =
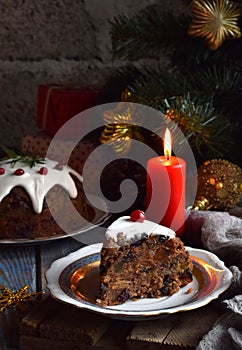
[
  {"x": 226, "y": 334},
  {"x": 221, "y": 233}
]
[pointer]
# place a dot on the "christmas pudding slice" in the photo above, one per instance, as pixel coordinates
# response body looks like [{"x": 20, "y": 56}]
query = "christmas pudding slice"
[
  {"x": 141, "y": 259},
  {"x": 40, "y": 198}
]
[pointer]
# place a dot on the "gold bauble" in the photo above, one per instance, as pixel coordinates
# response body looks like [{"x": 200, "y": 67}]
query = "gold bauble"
[
  {"x": 215, "y": 21},
  {"x": 219, "y": 185}
]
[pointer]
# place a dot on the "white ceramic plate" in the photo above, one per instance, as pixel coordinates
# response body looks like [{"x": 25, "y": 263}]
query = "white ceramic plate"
[
  {"x": 99, "y": 218},
  {"x": 74, "y": 280}
]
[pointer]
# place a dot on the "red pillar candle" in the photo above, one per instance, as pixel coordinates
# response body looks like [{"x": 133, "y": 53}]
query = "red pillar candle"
[{"x": 166, "y": 178}]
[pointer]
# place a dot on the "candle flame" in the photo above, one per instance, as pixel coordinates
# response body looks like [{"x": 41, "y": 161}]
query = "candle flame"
[{"x": 167, "y": 144}]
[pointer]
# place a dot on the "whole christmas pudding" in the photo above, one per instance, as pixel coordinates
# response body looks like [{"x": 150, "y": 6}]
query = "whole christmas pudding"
[
  {"x": 141, "y": 259},
  {"x": 35, "y": 197}
]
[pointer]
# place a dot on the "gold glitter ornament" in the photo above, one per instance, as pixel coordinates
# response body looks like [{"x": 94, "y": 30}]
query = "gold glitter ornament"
[
  {"x": 219, "y": 185},
  {"x": 215, "y": 21}
]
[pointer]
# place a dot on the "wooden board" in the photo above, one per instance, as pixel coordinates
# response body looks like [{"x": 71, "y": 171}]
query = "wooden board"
[
  {"x": 54, "y": 325},
  {"x": 17, "y": 267}
]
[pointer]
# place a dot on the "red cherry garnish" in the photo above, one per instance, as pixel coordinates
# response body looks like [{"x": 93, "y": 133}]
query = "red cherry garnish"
[
  {"x": 2, "y": 171},
  {"x": 43, "y": 171},
  {"x": 19, "y": 172},
  {"x": 137, "y": 215}
]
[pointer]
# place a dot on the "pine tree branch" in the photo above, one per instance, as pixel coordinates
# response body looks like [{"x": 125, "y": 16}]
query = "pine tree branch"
[
  {"x": 205, "y": 128},
  {"x": 146, "y": 34},
  {"x": 203, "y": 93},
  {"x": 149, "y": 32},
  {"x": 200, "y": 123},
  {"x": 156, "y": 84}
]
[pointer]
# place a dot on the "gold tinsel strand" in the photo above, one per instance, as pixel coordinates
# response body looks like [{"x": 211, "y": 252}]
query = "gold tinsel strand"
[
  {"x": 16, "y": 299},
  {"x": 201, "y": 203},
  {"x": 215, "y": 21},
  {"x": 219, "y": 185}
]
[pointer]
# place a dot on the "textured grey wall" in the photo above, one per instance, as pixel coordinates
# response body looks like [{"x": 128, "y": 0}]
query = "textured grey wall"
[{"x": 52, "y": 41}]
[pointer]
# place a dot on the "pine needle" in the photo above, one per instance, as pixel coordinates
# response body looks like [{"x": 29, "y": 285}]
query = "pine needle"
[{"x": 13, "y": 157}]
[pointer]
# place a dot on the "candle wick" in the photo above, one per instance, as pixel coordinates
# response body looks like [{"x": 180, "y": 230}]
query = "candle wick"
[{"x": 167, "y": 155}]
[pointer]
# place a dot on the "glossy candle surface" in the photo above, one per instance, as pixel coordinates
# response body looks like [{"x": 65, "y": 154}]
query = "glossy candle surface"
[{"x": 166, "y": 178}]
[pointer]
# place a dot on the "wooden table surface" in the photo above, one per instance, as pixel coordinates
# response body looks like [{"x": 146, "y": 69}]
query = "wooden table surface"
[{"x": 22, "y": 265}]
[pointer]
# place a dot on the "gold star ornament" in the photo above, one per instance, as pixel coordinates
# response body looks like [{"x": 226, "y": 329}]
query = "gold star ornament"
[{"x": 215, "y": 21}]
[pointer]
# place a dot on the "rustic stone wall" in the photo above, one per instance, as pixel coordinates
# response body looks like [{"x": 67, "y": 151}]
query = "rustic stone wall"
[{"x": 53, "y": 41}]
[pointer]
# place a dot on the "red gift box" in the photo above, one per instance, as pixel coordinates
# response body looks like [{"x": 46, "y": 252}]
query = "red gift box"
[{"x": 58, "y": 104}]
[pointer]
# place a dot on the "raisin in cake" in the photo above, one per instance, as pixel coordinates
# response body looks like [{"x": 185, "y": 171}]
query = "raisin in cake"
[
  {"x": 32, "y": 198},
  {"x": 141, "y": 260}
]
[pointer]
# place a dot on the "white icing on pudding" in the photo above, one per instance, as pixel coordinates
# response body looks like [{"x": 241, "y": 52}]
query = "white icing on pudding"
[
  {"x": 131, "y": 230},
  {"x": 36, "y": 184}
]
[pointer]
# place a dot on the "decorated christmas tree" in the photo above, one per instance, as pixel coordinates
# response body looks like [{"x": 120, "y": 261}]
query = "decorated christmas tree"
[{"x": 201, "y": 90}]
